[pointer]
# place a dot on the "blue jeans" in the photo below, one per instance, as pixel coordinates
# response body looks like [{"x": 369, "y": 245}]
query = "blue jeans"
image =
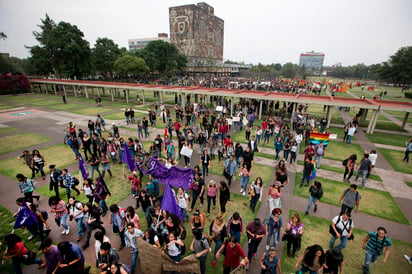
[
  {"x": 277, "y": 154},
  {"x": 364, "y": 173},
  {"x": 311, "y": 200},
  {"x": 205, "y": 170},
  {"x": 370, "y": 257},
  {"x": 243, "y": 182},
  {"x": 135, "y": 254},
  {"x": 305, "y": 269},
  {"x": 304, "y": 177},
  {"x": 258, "y": 139},
  {"x": 235, "y": 233},
  {"x": 343, "y": 242},
  {"x": 80, "y": 226},
  {"x": 17, "y": 260},
  {"x": 63, "y": 221},
  {"x": 140, "y": 133},
  {"x": 218, "y": 245},
  {"x": 103, "y": 205},
  {"x": 93, "y": 169},
  {"x": 349, "y": 139},
  {"x": 274, "y": 234},
  {"x": 317, "y": 160},
  {"x": 286, "y": 154}
]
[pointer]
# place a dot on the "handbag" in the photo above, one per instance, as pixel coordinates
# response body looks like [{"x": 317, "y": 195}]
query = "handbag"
[
  {"x": 286, "y": 236},
  {"x": 29, "y": 257}
]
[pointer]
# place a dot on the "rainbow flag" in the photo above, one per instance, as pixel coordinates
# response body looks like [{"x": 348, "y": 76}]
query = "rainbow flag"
[{"x": 317, "y": 138}]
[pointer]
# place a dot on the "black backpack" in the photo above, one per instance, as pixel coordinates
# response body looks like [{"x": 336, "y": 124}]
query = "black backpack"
[
  {"x": 76, "y": 181},
  {"x": 44, "y": 214},
  {"x": 181, "y": 248},
  {"x": 345, "y": 162}
]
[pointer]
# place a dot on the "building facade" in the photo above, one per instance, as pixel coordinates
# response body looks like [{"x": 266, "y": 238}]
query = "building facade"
[
  {"x": 137, "y": 44},
  {"x": 312, "y": 60},
  {"x": 197, "y": 33}
]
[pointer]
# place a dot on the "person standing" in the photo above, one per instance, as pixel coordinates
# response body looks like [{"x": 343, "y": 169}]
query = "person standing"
[
  {"x": 350, "y": 198},
  {"x": 274, "y": 227},
  {"x": 131, "y": 235},
  {"x": 255, "y": 231},
  {"x": 315, "y": 194},
  {"x": 375, "y": 243},
  {"x": 230, "y": 168},
  {"x": 270, "y": 263},
  {"x": 407, "y": 151},
  {"x": 342, "y": 226},
  {"x": 233, "y": 252},
  {"x": 307, "y": 171},
  {"x": 363, "y": 166},
  {"x": 351, "y": 132}
]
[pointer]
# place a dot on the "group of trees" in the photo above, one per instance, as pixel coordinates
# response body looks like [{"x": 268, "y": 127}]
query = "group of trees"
[{"x": 63, "y": 51}]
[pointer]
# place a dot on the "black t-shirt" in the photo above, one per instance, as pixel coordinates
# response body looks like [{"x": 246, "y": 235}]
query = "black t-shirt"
[
  {"x": 247, "y": 157},
  {"x": 281, "y": 177},
  {"x": 158, "y": 142},
  {"x": 197, "y": 185}
]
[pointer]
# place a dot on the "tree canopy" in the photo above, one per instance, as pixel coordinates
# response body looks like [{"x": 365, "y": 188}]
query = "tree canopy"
[
  {"x": 104, "y": 54},
  {"x": 128, "y": 64},
  {"x": 398, "y": 69}
]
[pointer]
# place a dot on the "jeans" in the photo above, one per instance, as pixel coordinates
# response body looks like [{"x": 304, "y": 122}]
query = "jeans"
[
  {"x": 209, "y": 200},
  {"x": 218, "y": 245},
  {"x": 202, "y": 261},
  {"x": 343, "y": 242},
  {"x": 370, "y": 257},
  {"x": 258, "y": 139},
  {"x": 40, "y": 168},
  {"x": 252, "y": 248},
  {"x": 312, "y": 200},
  {"x": 305, "y": 177},
  {"x": 266, "y": 138},
  {"x": 274, "y": 234},
  {"x": 68, "y": 191},
  {"x": 292, "y": 156},
  {"x": 364, "y": 173},
  {"x": 349, "y": 139},
  {"x": 135, "y": 254},
  {"x": 146, "y": 132},
  {"x": 96, "y": 167},
  {"x": 305, "y": 269},
  {"x": 205, "y": 170},
  {"x": 103, "y": 205},
  {"x": 140, "y": 133},
  {"x": 277, "y": 154},
  {"x": 17, "y": 260},
  {"x": 286, "y": 154},
  {"x": 236, "y": 234},
  {"x": 318, "y": 158},
  {"x": 253, "y": 202},
  {"x": 243, "y": 183},
  {"x": 63, "y": 221},
  {"x": 80, "y": 226},
  {"x": 195, "y": 195}
]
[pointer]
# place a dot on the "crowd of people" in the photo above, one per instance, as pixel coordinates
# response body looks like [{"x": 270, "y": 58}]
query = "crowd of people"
[{"x": 194, "y": 127}]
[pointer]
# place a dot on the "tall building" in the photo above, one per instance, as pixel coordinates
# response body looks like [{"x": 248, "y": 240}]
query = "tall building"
[
  {"x": 136, "y": 44},
  {"x": 312, "y": 60},
  {"x": 197, "y": 33}
]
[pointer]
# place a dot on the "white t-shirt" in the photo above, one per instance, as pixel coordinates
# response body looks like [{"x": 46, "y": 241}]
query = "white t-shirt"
[
  {"x": 173, "y": 250},
  {"x": 97, "y": 244},
  {"x": 182, "y": 200}
]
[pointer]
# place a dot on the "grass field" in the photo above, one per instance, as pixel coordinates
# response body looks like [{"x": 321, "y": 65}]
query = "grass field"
[
  {"x": 316, "y": 232},
  {"x": 388, "y": 139},
  {"x": 19, "y": 141},
  {"x": 395, "y": 157},
  {"x": 370, "y": 203},
  {"x": 61, "y": 155},
  {"x": 339, "y": 151},
  {"x": 5, "y": 130},
  {"x": 91, "y": 111}
]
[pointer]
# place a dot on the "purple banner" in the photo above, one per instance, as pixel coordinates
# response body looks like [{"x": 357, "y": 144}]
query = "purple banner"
[
  {"x": 83, "y": 168},
  {"x": 25, "y": 218},
  {"x": 127, "y": 158},
  {"x": 101, "y": 190},
  {"x": 175, "y": 176}
]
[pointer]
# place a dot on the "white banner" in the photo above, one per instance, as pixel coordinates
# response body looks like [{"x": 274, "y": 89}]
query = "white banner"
[{"x": 186, "y": 151}]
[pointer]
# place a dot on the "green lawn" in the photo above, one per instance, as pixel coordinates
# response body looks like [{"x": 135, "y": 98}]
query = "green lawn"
[
  {"x": 19, "y": 141},
  {"x": 91, "y": 111},
  {"x": 5, "y": 130},
  {"x": 370, "y": 203},
  {"x": 388, "y": 139},
  {"x": 386, "y": 125},
  {"x": 6, "y": 106},
  {"x": 265, "y": 155},
  {"x": 394, "y": 157},
  {"x": 408, "y": 183},
  {"x": 316, "y": 232},
  {"x": 43, "y": 103},
  {"x": 66, "y": 106},
  {"x": 120, "y": 116},
  {"x": 60, "y": 155},
  {"x": 339, "y": 151},
  {"x": 258, "y": 170},
  {"x": 342, "y": 170}
]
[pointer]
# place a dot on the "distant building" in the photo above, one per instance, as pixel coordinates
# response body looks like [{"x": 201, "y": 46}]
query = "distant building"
[
  {"x": 197, "y": 33},
  {"x": 312, "y": 60},
  {"x": 137, "y": 44}
]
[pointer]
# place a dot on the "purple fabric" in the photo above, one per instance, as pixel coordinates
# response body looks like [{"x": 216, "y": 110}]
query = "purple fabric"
[
  {"x": 175, "y": 176},
  {"x": 83, "y": 168},
  {"x": 169, "y": 203},
  {"x": 25, "y": 217},
  {"x": 101, "y": 190},
  {"x": 127, "y": 158}
]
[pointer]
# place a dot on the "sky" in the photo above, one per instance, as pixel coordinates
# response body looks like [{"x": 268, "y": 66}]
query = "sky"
[{"x": 266, "y": 31}]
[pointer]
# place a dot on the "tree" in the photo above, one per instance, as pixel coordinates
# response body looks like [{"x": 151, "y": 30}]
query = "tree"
[
  {"x": 128, "y": 64},
  {"x": 399, "y": 67},
  {"x": 62, "y": 49},
  {"x": 290, "y": 70},
  {"x": 277, "y": 67},
  {"x": 162, "y": 57},
  {"x": 104, "y": 54}
]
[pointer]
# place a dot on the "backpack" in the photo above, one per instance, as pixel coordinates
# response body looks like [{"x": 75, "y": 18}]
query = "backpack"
[
  {"x": 184, "y": 233},
  {"x": 332, "y": 231},
  {"x": 357, "y": 193},
  {"x": 34, "y": 183},
  {"x": 345, "y": 162},
  {"x": 181, "y": 248},
  {"x": 76, "y": 181},
  {"x": 44, "y": 214}
]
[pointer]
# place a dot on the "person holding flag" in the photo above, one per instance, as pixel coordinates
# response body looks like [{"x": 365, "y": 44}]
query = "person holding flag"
[
  {"x": 128, "y": 159},
  {"x": 25, "y": 218}
]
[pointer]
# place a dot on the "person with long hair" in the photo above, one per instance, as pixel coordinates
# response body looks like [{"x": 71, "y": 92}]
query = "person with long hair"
[
  {"x": 245, "y": 173},
  {"x": 312, "y": 261},
  {"x": 211, "y": 192},
  {"x": 315, "y": 194},
  {"x": 273, "y": 197},
  {"x": 255, "y": 191},
  {"x": 38, "y": 163},
  {"x": 92, "y": 216},
  {"x": 224, "y": 197},
  {"x": 26, "y": 187},
  {"x": 294, "y": 230},
  {"x": 19, "y": 253},
  {"x": 233, "y": 253},
  {"x": 217, "y": 232},
  {"x": 349, "y": 168},
  {"x": 255, "y": 232},
  {"x": 274, "y": 227},
  {"x": 132, "y": 217}
]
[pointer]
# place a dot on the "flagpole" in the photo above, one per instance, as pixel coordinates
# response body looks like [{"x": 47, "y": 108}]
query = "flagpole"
[{"x": 12, "y": 232}]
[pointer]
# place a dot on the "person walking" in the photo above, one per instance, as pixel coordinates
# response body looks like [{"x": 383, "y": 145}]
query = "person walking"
[
  {"x": 349, "y": 164},
  {"x": 350, "y": 198},
  {"x": 55, "y": 179},
  {"x": 315, "y": 194},
  {"x": 255, "y": 190},
  {"x": 294, "y": 230},
  {"x": 313, "y": 260},
  {"x": 307, "y": 171},
  {"x": 224, "y": 197},
  {"x": 407, "y": 151},
  {"x": 342, "y": 228},
  {"x": 319, "y": 152},
  {"x": 229, "y": 169},
  {"x": 363, "y": 166},
  {"x": 26, "y": 187},
  {"x": 232, "y": 251},
  {"x": 200, "y": 247},
  {"x": 274, "y": 227},
  {"x": 255, "y": 232},
  {"x": 270, "y": 263},
  {"x": 211, "y": 195},
  {"x": 375, "y": 244}
]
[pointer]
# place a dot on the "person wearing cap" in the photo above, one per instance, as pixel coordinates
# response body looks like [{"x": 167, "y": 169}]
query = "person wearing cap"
[
  {"x": 55, "y": 179},
  {"x": 269, "y": 262},
  {"x": 343, "y": 227}
]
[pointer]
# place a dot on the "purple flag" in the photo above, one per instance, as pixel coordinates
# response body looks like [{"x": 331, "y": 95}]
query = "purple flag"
[
  {"x": 175, "y": 176},
  {"x": 25, "y": 217},
  {"x": 83, "y": 168},
  {"x": 169, "y": 203},
  {"x": 127, "y": 158}
]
